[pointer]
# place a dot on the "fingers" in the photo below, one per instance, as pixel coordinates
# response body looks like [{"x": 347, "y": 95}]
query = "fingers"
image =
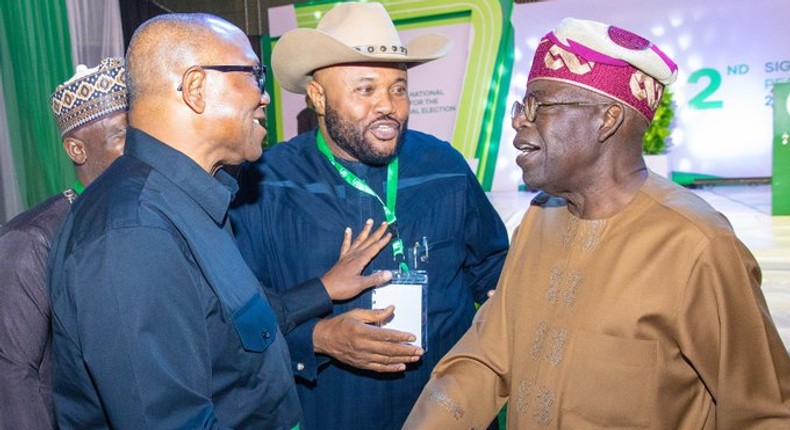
[
  {"x": 344, "y": 280},
  {"x": 365, "y": 245},
  {"x": 376, "y": 279},
  {"x": 379, "y": 317},
  {"x": 387, "y": 363},
  {"x": 346, "y": 338},
  {"x": 380, "y": 232},
  {"x": 384, "y": 350},
  {"x": 381, "y": 237},
  {"x": 346, "y": 245},
  {"x": 400, "y": 337},
  {"x": 373, "y": 244},
  {"x": 377, "y": 240},
  {"x": 363, "y": 235},
  {"x": 490, "y": 293},
  {"x": 372, "y": 316}
]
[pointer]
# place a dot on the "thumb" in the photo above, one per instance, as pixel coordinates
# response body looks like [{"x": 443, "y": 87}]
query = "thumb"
[
  {"x": 376, "y": 279},
  {"x": 374, "y": 316}
]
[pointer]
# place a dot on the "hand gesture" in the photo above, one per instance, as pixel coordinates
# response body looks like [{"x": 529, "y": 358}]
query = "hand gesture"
[
  {"x": 356, "y": 339},
  {"x": 344, "y": 280}
]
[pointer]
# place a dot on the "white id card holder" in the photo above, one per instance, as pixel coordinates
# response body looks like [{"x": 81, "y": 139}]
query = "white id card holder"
[{"x": 408, "y": 292}]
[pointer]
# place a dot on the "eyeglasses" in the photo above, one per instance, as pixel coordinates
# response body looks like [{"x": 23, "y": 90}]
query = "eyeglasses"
[
  {"x": 258, "y": 71},
  {"x": 530, "y": 111}
]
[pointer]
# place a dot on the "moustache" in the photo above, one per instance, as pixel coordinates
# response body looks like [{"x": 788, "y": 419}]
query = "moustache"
[{"x": 385, "y": 118}]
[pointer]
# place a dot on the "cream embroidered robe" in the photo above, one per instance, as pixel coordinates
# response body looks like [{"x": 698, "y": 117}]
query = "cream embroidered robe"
[{"x": 652, "y": 319}]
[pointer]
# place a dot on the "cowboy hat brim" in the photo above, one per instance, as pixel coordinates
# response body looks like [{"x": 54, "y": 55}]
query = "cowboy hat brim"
[{"x": 302, "y": 51}]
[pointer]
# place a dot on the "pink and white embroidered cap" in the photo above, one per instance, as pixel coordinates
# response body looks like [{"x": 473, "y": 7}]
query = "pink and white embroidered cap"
[{"x": 605, "y": 59}]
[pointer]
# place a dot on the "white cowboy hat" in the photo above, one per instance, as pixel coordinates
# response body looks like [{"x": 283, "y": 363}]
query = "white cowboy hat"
[{"x": 349, "y": 33}]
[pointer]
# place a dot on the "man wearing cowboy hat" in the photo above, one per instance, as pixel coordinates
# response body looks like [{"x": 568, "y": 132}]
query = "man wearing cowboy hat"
[
  {"x": 90, "y": 109},
  {"x": 626, "y": 300},
  {"x": 363, "y": 162}
]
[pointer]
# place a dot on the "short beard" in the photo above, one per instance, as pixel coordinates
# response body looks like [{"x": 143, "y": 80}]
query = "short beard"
[{"x": 352, "y": 140}]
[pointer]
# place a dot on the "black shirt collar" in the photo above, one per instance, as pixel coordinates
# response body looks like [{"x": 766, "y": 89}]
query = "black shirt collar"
[{"x": 212, "y": 193}]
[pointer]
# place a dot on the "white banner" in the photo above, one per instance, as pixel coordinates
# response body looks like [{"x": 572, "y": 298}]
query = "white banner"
[{"x": 729, "y": 53}]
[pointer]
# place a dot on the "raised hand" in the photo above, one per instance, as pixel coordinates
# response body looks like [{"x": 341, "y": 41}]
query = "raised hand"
[{"x": 344, "y": 280}]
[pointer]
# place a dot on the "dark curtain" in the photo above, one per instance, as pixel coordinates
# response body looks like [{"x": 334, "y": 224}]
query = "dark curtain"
[{"x": 136, "y": 12}]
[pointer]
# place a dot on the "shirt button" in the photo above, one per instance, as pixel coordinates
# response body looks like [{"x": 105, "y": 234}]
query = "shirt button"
[
  {"x": 300, "y": 366},
  {"x": 265, "y": 334}
]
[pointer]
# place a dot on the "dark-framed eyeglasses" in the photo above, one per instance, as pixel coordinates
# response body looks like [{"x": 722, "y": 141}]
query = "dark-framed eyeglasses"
[
  {"x": 259, "y": 72},
  {"x": 530, "y": 110}
]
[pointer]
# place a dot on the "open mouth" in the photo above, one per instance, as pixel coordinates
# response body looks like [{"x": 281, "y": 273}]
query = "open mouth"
[
  {"x": 259, "y": 121},
  {"x": 527, "y": 148},
  {"x": 384, "y": 130}
]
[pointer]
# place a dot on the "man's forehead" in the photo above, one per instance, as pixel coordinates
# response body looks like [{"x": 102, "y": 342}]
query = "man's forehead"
[
  {"x": 116, "y": 119},
  {"x": 235, "y": 50},
  {"x": 362, "y": 72},
  {"x": 222, "y": 27},
  {"x": 96, "y": 129},
  {"x": 546, "y": 88},
  {"x": 233, "y": 42}
]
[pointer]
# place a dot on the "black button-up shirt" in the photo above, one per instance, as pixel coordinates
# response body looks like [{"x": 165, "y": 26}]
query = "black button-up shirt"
[{"x": 158, "y": 321}]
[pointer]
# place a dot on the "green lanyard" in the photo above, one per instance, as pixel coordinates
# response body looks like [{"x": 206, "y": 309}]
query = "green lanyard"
[
  {"x": 392, "y": 193},
  {"x": 78, "y": 187}
]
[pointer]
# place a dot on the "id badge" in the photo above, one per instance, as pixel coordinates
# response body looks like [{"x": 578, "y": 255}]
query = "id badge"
[{"x": 408, "y": 292}]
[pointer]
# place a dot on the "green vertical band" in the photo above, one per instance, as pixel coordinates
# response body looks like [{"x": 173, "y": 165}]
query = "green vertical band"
[
  {"x": 273, "y": 125},
  {"x": 35, "y": 56},
  {"x": 780, "y": 179}
]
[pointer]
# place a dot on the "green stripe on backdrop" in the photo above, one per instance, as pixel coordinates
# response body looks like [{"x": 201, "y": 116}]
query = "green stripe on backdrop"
[
  {"x": 496, "y": 116},
  {"x": 35, "y": 56},
  {"x": 272, "y": 126},
  {"x": 484, "y": 94}
]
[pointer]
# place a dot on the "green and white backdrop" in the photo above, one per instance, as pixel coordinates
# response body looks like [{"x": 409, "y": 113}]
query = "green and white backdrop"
[{"x": 730, "y": 54}]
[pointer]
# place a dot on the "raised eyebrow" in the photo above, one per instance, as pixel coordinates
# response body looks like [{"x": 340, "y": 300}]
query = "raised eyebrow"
[
  {"x": 367, "y": 79},
  {"x": 364, "y": 79}
]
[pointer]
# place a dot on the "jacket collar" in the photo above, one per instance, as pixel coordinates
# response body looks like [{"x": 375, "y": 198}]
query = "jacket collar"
[{"x": 212, "y": 193}]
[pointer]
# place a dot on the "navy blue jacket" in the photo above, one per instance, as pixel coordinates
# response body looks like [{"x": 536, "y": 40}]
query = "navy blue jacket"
[
  {"x": 157, "y": 320},
  {"x": 289, "y": 220}
]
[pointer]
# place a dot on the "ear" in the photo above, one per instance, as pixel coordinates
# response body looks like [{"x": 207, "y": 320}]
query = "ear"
[
  {"x": 75, "y": 149},
  {"x": 193, "y": 89},
  {"x": 612, "y": 120},
  {"x": 317, "y": 97}
]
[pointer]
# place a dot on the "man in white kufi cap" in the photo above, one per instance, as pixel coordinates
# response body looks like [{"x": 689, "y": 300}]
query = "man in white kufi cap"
[{"x": 90, "y": 109}]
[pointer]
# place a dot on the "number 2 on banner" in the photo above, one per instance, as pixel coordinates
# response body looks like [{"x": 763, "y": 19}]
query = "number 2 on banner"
[{"x": 700, "y": 100}]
